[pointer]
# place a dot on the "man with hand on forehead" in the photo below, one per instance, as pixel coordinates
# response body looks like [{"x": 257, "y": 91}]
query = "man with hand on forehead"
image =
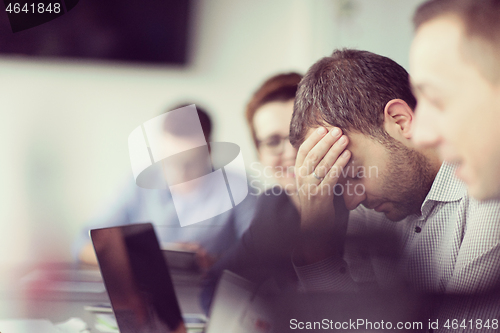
[
  {"x": 455, "y": 67},
  {"x": 353, "y": 119}
]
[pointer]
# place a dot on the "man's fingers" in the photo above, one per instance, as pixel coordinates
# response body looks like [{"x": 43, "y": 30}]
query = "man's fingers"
[
  {"x": 316, "y": 152},
  {"x": 321, "y": 149},
  {"x": 308, "y": 144},
  {"x": 330, "y": 158},
  {"x": 335, "y": 172}
]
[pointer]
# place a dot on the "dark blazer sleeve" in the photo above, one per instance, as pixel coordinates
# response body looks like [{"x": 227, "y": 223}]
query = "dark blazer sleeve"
[{"x": 264, "y": 251}]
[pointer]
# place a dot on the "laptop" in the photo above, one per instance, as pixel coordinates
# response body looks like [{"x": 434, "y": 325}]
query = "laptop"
[
  {"x": 140, "y": 288},
  {"x": 137, "y": 279},
  {"x": 232, "y": 299}
]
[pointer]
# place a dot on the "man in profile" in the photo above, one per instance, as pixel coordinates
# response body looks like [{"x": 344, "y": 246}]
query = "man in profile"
[
  {"x": 354, "y": 111},
  {"x": 455, "y": 72}
]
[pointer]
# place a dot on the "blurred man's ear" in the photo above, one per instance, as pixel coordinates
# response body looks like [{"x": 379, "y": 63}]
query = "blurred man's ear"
[{"x": 398, "y": 119}]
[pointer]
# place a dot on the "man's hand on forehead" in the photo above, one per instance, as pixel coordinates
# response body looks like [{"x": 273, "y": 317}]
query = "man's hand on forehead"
[
  {"x": 319, "y": 164},
  {"x": 321, "y": 151}
]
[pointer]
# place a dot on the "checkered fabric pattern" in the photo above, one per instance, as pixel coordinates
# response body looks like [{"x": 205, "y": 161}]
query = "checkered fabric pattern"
[{"x": 453, "y": 247}]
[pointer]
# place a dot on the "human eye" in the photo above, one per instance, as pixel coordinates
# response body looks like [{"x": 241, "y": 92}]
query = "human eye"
[
  {"x": 429, "y": 98},
  {"x": 273, "y": 142},
  {"x": 435, "y": 102}
]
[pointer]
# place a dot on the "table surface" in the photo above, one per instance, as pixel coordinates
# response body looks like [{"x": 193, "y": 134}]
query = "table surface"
[{"x": 31, "y": 293}]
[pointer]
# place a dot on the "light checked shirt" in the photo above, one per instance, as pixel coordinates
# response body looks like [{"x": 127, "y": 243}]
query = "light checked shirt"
[{"x": 453, "y": 247}]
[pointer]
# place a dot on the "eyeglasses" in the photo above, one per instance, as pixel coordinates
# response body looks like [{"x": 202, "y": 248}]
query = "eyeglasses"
[{"x": 274, "y": 145}]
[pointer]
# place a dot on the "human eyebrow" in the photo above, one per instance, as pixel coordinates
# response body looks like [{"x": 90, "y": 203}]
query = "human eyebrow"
[
  {"x": 425, "y": 87},
  {"x": 273, "y": 137},
  {"x": 433, "y": 96},
  {"x": 421, "y": 87}
]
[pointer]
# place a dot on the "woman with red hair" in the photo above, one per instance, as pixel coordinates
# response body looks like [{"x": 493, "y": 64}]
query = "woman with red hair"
[{"x": 263, "y": 254}]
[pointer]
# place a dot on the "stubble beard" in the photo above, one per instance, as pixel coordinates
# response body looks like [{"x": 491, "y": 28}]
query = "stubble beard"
[{"x": 407, "y": 180}]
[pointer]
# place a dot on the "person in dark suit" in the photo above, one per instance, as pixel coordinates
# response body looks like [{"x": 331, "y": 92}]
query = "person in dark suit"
[{"x": 263, "y": 253}]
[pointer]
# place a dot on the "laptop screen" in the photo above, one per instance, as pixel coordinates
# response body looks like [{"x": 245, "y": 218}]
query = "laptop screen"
[{"x": 137, "y": 279}]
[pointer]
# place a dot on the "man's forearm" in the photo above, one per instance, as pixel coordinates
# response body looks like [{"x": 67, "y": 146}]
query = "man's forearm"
[{"x": 316, "y": 247}]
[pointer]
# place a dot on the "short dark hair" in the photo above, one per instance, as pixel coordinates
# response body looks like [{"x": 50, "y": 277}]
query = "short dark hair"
[
  {"x": 350, "y": 90},
  {"x": 480, "y": 19},
  {"x": 179, "y": 129},
  {"x": 278, "y": 88}
]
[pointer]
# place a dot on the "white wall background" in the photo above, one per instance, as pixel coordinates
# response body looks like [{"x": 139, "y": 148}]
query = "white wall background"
[{"x": 64, "y": 125}]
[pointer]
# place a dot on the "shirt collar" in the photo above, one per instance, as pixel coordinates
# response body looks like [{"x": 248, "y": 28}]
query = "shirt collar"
[{"x": 446, "y": 187}]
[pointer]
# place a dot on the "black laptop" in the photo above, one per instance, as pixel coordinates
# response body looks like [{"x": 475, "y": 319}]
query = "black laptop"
[{"x": 137, "y": 279}]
